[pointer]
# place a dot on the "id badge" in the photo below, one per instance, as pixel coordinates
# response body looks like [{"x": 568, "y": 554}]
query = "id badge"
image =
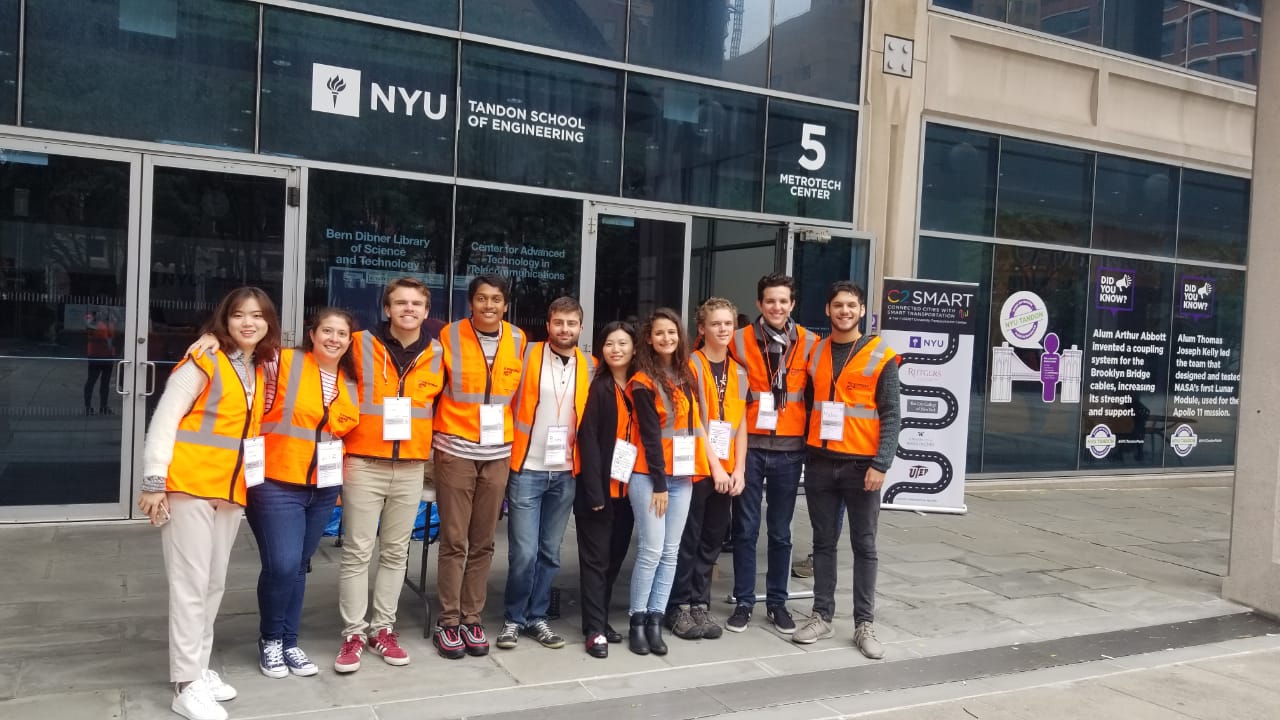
[
  {"x": 557, "y": 445},
  {"x": 397, "y": 413},
  {"x": 832, "y": 421},
  {"x": 329, "y": 463},
  {"x": 767, "y": 419},
  {"x": 255, "y": 461},
  {"x": 721, "y": 435},
  {"x": 493, "y": 425},
  {"x": 624, "y": 461},
  {"x": 683, "y": 448}
]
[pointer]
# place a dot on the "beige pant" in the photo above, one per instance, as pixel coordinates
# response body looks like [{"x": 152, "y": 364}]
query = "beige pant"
[
  {"x": 197, "y": 544},
  {"x": 379, "y": 504}
]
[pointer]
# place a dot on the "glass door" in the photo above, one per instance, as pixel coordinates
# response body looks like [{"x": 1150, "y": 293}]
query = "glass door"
[
  {"x": 68, "y": 279},
  {"x": 819, "y": 257},
  {"x": 633, "y": 261},
  {"x": 207, "y": 228}
]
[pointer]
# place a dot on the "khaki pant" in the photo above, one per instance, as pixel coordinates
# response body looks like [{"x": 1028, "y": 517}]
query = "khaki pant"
[
  {"x": 470, "y": 494},
  {"x": 197, "y": 544},
  {"x": 379, "y": 504}
]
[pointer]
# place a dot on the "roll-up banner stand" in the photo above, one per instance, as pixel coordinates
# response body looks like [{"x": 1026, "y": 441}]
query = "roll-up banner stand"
[{"x": 930, "y": 324}]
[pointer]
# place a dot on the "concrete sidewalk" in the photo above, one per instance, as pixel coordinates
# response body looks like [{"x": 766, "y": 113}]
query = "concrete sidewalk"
[{"x": 83, "y": 613}]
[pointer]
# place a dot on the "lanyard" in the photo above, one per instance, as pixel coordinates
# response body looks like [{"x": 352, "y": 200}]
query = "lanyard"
[
  {"x": 619, "y": 395},
  {"x": 488, "y": 363},
  {"x": 835, "y": 372},
  {"x": 563, "y": 390}
]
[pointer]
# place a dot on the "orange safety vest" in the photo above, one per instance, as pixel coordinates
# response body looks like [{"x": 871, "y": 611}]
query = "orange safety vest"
[
  {"x": 472, "y": 382},
  {"x": 733, "y": 408},
  {"x": 746, "y": 350},
  {"x": 679, "y": 419},
  {"x": 208, "y": 454},
  {"x": 378, "y": 378},
  {"x": 856, "y": 388},
  {"x": 530, "y": 394},
  {"x": 299, "y": 418}
]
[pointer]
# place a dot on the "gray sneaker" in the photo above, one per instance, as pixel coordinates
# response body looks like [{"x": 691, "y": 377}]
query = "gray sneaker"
[
  {"x": 864, "y": 638},
  {"x": 812, "y": 630},
  {"x": 683, "y": 625},
  {"x": 510, "y": 635},
  {"x": 703, "y": 618}
]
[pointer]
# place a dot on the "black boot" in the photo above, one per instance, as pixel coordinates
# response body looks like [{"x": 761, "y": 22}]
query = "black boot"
[
  {"x": 653, "y": 633},
  {"x": 639, "y": 643}
]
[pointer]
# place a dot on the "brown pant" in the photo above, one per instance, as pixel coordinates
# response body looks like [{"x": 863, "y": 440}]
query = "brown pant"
[{"x": 469, "y": 493}]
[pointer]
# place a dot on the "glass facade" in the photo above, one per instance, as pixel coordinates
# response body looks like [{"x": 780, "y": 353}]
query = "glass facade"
[
  {"x": 8, "y": 62},
  {"x": 538, "y": 121},
  {"x": 1191, "y": 35},
  {"x": 1147, "y": 347},
  {"x": 360, "y": 94},
  {"x": 179, "y": 72},
  {"x": 817, "y": 48},
  {"x": 587, "y": 27}
]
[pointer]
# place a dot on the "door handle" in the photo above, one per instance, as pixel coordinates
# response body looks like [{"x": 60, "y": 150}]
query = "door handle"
[
  {"x": 151, "y": 379},
  {"x": 120, "y": 368}
]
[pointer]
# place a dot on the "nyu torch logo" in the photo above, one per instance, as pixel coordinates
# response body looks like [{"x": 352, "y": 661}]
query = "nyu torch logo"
[{"x": 335, "y": 90}]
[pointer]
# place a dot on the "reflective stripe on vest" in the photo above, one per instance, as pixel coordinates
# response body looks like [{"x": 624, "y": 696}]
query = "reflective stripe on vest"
[
  {"x": 205, "y": 435},
  {"x": 455, "y": 390},
  {"x": 420, "y": 382},
  {"x": 208, "y": 451},
  {"x": 370, "y": 408},
  {"x": 792, "y": 415},
  {"x": 529, "y": 396},
  {"x": 862, "y": 419}
]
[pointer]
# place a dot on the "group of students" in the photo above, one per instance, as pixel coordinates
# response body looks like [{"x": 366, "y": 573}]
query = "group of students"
[{"x": 649, "y": 437}]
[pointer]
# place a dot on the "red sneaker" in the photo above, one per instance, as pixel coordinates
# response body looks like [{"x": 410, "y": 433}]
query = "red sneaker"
[
  {"x": 384, "y": 643},
  {"x": 349, "y": 656}
]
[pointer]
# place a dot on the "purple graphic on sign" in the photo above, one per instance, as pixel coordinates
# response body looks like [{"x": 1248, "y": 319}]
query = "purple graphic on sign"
[
  {"x": 1049, "y": 364},
  {"x": 1023, "y": 305},
  {"x": 1115, "y": 289},
  {"x": 1195, "y": 297},
  {"x": 915, "y": 341}
]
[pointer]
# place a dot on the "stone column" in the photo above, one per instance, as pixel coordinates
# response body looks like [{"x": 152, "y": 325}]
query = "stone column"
[{"x": 1253, "y": 575}]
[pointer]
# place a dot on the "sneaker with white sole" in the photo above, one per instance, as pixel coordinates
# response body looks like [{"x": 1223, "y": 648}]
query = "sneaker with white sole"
[
  {"x": 812, "y": 630},
  {"x": 348, "y": 660},
  {"x": 864, "y": 638},
  {"x": 509, "y": 637},
  {"x": 222, "y": 692},
  {"x": 740, "y": 619},
  {"x": 196, "y": 702},
  {"x": 539, "y": 630},
  {"x": 387, "y": 644},
  {"x": 781, "y": 619},
  {"x": 271, "y": 658},
  {"x": 298, "y": 662}
]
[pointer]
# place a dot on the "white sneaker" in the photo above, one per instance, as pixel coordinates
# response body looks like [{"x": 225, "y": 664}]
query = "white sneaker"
[
  {"x": 221, "y": 691},
  {"x": 196, "y": 702}
]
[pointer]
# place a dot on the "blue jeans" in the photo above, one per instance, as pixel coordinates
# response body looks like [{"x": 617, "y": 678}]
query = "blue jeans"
[
  {"x": 538, "y": 506},
  {"x": 287, "y": 521},
  {"x": 657, "y": 541},
  {"x": 772, "y": 477}
]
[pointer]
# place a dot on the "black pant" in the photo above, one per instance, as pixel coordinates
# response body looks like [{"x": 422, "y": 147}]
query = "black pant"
[
  {"x": 700, "y": 545},
  {"x": 99, "y": 371},
  {"x": 827, "y": 483},
  {"x": 604, "y": 536}
]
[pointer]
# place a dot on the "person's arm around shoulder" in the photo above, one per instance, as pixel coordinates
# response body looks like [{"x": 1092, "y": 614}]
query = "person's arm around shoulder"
[{"x": 185, "y": 384}]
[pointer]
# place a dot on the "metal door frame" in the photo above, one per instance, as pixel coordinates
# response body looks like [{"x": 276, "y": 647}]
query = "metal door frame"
[
  {"x": 291, "y": 282},
  {"x": 587, "y": 267},
  {"x": 124, "y": 376},
  {"x": 873, "y": 284}
]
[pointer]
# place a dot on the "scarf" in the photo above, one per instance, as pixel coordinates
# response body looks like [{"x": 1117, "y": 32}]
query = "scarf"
[{"x": 779, "y": 342}]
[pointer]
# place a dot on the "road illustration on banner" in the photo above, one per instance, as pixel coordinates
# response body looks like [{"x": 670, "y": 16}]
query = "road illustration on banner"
[{"x": 953, "y": 410}]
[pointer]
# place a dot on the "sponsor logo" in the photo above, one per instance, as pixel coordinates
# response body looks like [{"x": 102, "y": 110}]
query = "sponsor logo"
[
  {"x": 917, "y": 471},
  {"x": 935, "y": 298},
  {"x": 915, "y": 341},
  {"x": 923, "y": 407},
  {"x": 1115, "y": 290},
  {"x": 1195, "y": 299},
  {"x": 335, "y": 90},
  {"x": 916, "y": 440},
  {"x": 1100, "y": 441},
  {"x": 1183, "y": 440},
  {"x": 1024, "y": 319},
  {"x": 922, "y": 372}
]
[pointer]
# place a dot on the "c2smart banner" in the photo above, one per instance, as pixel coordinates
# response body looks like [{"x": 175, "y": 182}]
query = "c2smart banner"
[{"x": 930, "y": 324}]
